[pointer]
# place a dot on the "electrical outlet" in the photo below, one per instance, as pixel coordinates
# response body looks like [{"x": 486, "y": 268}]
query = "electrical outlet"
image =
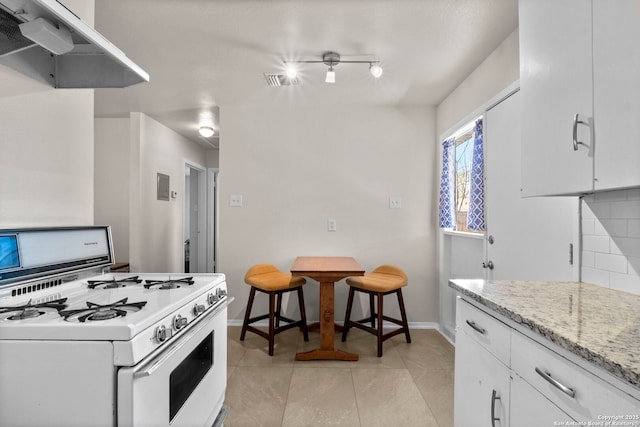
[
  {"x": 235, "y": 200},
  {"x": 331, "y": 225},
  {"x": 395, "y": 202}
]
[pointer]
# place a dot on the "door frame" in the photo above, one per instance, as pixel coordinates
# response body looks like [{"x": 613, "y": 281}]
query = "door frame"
[{"x": 201, "y": 244}]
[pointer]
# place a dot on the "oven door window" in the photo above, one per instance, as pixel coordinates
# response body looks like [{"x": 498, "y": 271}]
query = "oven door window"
[{"x": 187, "y": 375}]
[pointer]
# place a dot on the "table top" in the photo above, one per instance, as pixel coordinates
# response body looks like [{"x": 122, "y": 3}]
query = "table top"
[{"x": 326, "y": 268}]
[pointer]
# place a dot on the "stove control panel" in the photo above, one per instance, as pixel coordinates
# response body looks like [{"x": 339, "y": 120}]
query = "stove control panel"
[{"x": 179, "y": 322}]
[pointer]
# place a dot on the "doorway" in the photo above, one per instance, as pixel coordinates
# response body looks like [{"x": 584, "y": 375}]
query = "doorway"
[{"x": 195, "y": 219}]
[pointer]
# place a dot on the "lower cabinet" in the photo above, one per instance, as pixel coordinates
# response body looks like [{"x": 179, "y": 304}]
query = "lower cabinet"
[
  {"x": 481, "y": 386},
  {"x": 530, "y": 408},
  {"x": 504, "y": 379}
]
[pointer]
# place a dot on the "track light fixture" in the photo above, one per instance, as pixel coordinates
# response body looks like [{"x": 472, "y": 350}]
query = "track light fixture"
[{"x": 332, "y": 59}]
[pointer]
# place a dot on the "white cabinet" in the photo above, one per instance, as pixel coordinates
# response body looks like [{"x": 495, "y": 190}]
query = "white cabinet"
[
  {"x": 616, "y": 67},
  {"x": 530, "y": 408},
  {"x": 555, "y": 84},
  {"x": 579, "y": 62},
  {"x": 530, "y": 385},
  {"x": 481, "y": 392}
]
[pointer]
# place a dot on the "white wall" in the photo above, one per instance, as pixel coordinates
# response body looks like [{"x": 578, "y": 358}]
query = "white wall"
[
  {"x": 46, "y": 149},
  {"x": 496, "y": 72},
  {"x": 297, "y": 167},
  {"x": 611, "y": 240},
  {"x": 147, "y": 233},
  {"x": 111, "y": 185}
]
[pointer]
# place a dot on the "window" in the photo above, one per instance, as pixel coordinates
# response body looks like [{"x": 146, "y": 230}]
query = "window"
[{"x": 462, "y": 182}]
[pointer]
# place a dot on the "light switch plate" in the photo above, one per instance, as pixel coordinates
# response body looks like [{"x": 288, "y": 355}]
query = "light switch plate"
[
  {"x": 235, "y": 200},
  {"x": 395, "y": 202},
  {"x": 332, "y": 225}
]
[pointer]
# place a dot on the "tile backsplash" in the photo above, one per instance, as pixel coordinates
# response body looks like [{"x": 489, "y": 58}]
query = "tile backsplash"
[{"x": 611, "y": 239}]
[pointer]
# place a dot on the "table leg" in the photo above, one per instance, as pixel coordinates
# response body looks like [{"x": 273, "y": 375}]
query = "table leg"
[{"x": 327, "y": 322}]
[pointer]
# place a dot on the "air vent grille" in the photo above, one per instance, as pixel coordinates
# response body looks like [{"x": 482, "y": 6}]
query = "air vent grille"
[{"x": 280, "y": 80}]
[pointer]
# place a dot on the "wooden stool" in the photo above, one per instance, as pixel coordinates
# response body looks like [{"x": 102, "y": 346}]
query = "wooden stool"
[
  {"x": 382, "y": 281},
  {"x": 268, "y": 279}
]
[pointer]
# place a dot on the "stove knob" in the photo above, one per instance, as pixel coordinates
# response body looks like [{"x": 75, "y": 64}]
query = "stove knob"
[
  {"x": 161, "y": 333},
  {"x": 212, "y": 299},
  {"x": 198, "y": 309},
  {"x": 179, "y": 322},
  {"x": 220, "y": 293}
]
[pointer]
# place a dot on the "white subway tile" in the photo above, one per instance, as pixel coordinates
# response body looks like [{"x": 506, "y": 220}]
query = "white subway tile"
[
  {"x": 614, "y": 263},
  {"x": 587, "y": 213},
  {"x": 628, "y": 209},
  {"x": 625, "y": 246},
  {"x": 588, "y": 259},
  {"x": 609, "y": 196},
  {"x": 633, "y": 228},
  {"x": 588, "y": 198},
  {"x": 596, "y": 243},
  {"x": 625, "y": 282},
  {"x": 588, "y": 227},
  {"x": 610, "y": 227},
  {"x": 633, "y": 194},
  {"x": 596, "y": 277},
  {"x": 602, "y": 210}
]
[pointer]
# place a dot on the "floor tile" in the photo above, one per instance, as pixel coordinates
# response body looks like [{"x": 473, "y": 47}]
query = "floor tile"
[
  {"x": 436, "y": 387},
  {"x": 389, "y": 397},
  {"x": 257, "y": 396},
  {"x": 321, "y": 397}
]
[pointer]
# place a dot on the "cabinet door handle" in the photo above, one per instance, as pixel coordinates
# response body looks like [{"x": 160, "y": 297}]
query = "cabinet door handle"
[
  {"x": 494, "y": 397},
  {"x": 476, "y": 327},
  {"x": 577, "y": 121},
  {"x": 563, "y": 388}
]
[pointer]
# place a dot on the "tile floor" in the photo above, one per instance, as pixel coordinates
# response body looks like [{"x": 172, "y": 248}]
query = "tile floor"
[{"x": 411, "y": 385}]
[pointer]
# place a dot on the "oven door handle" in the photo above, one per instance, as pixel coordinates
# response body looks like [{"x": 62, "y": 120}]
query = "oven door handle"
[{"x": 152, "y": 365}]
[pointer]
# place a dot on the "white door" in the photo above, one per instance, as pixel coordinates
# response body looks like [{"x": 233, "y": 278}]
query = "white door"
[
  {"x": 532, "y": 236},
  {"x": 195, "y": 219},
  {"x": 556, "y": 83}
]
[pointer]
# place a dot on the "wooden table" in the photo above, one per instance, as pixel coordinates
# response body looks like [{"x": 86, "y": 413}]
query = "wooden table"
[{"x": 327, "y": 271}]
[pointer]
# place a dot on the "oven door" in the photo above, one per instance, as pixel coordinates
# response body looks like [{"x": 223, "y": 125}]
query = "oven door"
[{"x": 184, "y": 384}]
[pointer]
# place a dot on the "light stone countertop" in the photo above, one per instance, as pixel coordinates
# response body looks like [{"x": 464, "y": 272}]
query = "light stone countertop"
[{"x": 598, "y": 324}]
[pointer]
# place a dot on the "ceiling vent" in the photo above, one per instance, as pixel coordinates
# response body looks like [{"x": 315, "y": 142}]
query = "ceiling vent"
[{"x": 281, "y": 80}]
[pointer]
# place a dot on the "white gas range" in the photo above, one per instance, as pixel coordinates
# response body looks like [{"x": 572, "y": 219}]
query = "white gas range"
[{"x": 84, "y": 349}]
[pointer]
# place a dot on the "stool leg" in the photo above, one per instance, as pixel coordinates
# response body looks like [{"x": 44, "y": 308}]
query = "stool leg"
[
  {"x": 303, "y": 315},
  {"x": 247, "y": 313},
  {"x": 403, "y": 313},
  {"x": 372, "y": 310},
  {"x": 272, "y": 303},
  {"x": 278, "y": 308},
  {"x": 347, "y": 316},
  {"x": 380, "y": 311}
]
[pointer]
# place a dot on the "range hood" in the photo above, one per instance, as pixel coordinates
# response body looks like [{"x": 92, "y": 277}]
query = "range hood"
[{"x": 32, "y": 30}]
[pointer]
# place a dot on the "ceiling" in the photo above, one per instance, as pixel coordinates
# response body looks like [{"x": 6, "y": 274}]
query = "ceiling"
[{"x": 204, "y": 54}]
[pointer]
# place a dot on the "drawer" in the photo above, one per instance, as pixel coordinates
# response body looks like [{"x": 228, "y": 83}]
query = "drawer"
[
  {"x": 486, "y": 330},
  {"x": 593, "y": 398}
]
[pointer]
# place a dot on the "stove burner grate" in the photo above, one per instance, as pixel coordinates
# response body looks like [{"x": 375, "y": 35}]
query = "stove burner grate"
[
  {"x": 113, "y": 283},
  {"x": 30, "y": 310},
  {"x": 97, "y": 312},
  {"x": 168, "y": 284}
]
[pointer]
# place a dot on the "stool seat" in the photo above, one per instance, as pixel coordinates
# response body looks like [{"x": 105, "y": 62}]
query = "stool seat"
[
  {"x": 265, "y": 278},
  {"x": 384, "y": 280},
  {"x": 268, "y": 279}
]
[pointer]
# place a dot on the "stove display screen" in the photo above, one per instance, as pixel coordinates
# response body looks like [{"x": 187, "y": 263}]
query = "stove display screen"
[
  {"x": 187, "y": 375},
  {"x": 9, "y": 257}
]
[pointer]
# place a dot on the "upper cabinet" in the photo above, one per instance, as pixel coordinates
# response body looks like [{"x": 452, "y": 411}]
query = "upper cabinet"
[{"x": 580, "y": 96}]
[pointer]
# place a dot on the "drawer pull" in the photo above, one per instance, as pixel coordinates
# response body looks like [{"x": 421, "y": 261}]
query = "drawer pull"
[
  {"x": 494, "y": 397},
  {"x": 563, "y": 388},
  {"x": 475, "y": 327}
]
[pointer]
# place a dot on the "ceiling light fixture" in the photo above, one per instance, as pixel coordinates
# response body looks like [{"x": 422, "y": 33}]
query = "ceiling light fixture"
[
  {"x": 206, "y": 131},
  {"x": 332, "y": 59},
  {"x": 292, "y": 71}
]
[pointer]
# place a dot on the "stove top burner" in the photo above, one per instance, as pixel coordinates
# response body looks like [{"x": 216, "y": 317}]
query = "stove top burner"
[
  {"x": 30, "y": 310},
  {"x": 168, "y": 284},
  {"x": 113, "y": 283},
  {"x": 97, "y": 312}
]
